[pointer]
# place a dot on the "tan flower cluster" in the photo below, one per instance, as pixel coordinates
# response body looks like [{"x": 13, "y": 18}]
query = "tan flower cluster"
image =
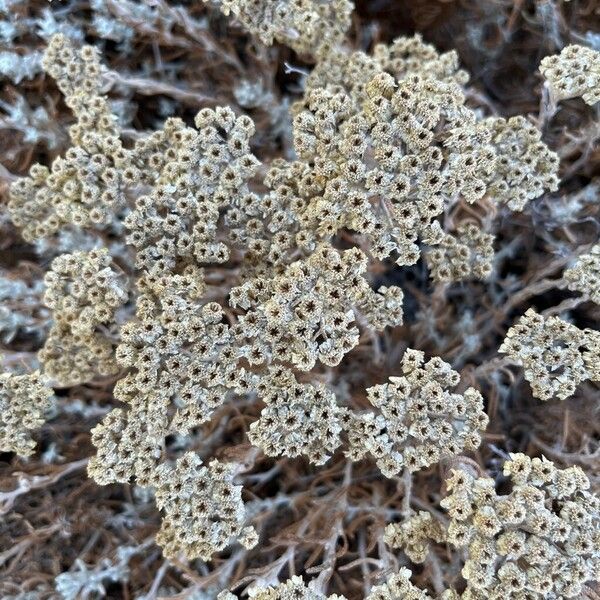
[
  {"x": 385, "y": 145},
  {"x": 397, "y": 587},
  {"x": 575, "y": 72},
  {"x": 291, "y": 589},
  {"x": 389, "y": 170},
  {"x": 181, "y": 177},
  {"x": 414, "y": 534},
  {"x": 84, "y": 292},
  {"x": 584, "y": 275},
  {"x": 270, "y": 227},
  {"x": 78, "y": 74},
  {"x": 24, "y": 400},
  {"x": 202, "y": 506},
  {"x": 128, "y": 443},
  {"x": 299, "y": 418},
  {"x": 541, "y": 540},
  {"x": 405, "y": 56},
  {"x": 379, "y": 177},
  {"x": 468, "y": 253},
  {"x": 183, "y": 362},
  {"x": 89, "y": 185},
  {"x": 183, "y": 365},
  {"x": 556, "y": 355},
  {"x": 525, "y": 168},
  {"x": 419, "y": 421},
  {"x": 85, "y": 188},
  {"x": 309, "y": 312},
  {"x": 202, "y": 172},
  {"x": 307, "y": 26}
]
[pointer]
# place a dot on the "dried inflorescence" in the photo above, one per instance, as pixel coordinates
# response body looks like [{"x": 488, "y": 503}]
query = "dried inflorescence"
[
  {"x": 201, "y": 172},
  {"x": 24, "y": 403},
  {"x": 386, "y": 145},
  {"x": 183, "y": 365},
  {"x": 293, "y": 588},
  {"x": 310, "y": 312},
  {"x": 525, "y": 168},
  {"x": 405, "y": 56},
  {"x": 299, "y": 418},
  {"x": 414, "y": 534},
  {"x": 88, "y": 186},
  {"x": 541, "y": 540},
  {"x": 556, "y": 356},
  {"x": 584, "y": 275},
  {"x": 128, "y": 443},
  {"x": 575, "y": 72},
  {"x": 307, "y": 26},
  {"x": 84, "y": 291},
  {"x": 191, "y": 174},
  {"x": 271, "y": 228},
  {"x": 397, "y": 587},
  {"x": 78, "y": 73},
  {"x": 382, "y": 169},
  {"x": 419, "y": 420},
  {"x": 203, "y": 508},
  {"x": 85, "y": 188},
  {"x": 466, "y": 254},
  {"x": 388, "y": 170}
]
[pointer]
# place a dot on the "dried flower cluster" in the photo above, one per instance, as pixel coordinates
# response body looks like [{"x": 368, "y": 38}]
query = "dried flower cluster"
[
  {"x": 541, "y": 540},
  {"x": 468, "y": 253},
  {"x": 575, "y": 72},
  {"x": 352, "y": 70},
  {"x": 200, "y": 172},
  {"x": 304, "y": 25},
  {"x": 24, "y": 402},
  {"x": 388, "y": 170},
  {"x": 556, "y": 356},
  {"x": 292, "y": 588},
  {"x": 414, "y": 535},
  {"x": 84, "y": 292},
  {"x": 78, "y": 74},
  {"x": 308, "y": 313},
  {"x": 398, "y": 586},
  {"x": 298, "y": 418},
  {"x": 584, "y": 275},
  {"x": 419, "y": 421},
  {"x": 203, "y": 509},
  {"x": 181, "y": 356}
]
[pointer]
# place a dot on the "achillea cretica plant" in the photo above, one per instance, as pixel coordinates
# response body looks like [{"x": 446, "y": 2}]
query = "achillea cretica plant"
[{"x": 293, "y": 350}]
